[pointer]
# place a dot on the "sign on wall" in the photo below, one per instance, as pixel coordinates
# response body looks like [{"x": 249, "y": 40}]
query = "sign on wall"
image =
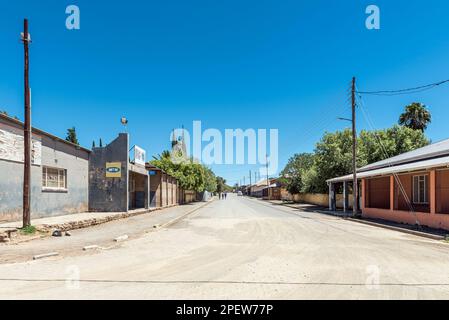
[
  {"x": 113, "y": 169},
  {"x": 139, "y": 155},
  {"x": 12, "y": 147}
]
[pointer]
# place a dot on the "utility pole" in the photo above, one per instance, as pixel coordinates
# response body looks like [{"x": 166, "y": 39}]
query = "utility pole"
[
  {"x": 250, "y": 183},
  {"x": 268, "y": 179},
  {"x": 27, "y": 133},
  {"x": 355, "y": 188}
]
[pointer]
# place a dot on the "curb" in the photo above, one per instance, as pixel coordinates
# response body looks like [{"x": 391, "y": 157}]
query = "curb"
[
  {"x": 45, "y": 255},
  {"x": 81, "y": 224},
  {"x": 164, "y": 225},
  {"x": 399, "y": 229},
  {"x": 374, "y": 224}
]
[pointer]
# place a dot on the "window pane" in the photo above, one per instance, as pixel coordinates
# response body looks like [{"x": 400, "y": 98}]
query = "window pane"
[
  {"x": 422, "y": 191},
  {"x": 52, "y": 178},
  {"x": 44, "y": 177},
  {"x": 415, "y": 189},
  {"x": 62, "y": 179}
]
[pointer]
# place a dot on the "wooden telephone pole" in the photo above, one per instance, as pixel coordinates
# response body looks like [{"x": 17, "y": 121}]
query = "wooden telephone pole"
[
  {"x": 268, "y": 178},
  {"x": 354, "y": 152},
  {"x": 250, "y": 183},
  {"x": 27, "y": 133}
]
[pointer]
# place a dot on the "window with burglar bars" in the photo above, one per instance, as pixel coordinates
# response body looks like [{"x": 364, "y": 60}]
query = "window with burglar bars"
[
  {"x": 54, "y": 179},
  {"x": 420, "y": 184}
]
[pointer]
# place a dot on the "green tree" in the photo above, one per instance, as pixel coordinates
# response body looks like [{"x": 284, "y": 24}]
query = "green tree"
[
  {"x": 210, "y": 180},
  {"x": 293, "y": 172},
  {"x": 71, "y": 136},
  {"x": 164, "y": 155},
  {"x": 381, "y": 144},
  {"x": 416, "y": 117},
  {"x": 311, "y": 181},
  {"x": 221, "y": 184},
  {"x": 333, "y": 154},
  {"x": 333, "y": 157},
  {"x": 191, "y": 176}
]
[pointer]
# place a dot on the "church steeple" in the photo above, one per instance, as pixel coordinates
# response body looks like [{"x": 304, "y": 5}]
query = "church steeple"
[
  {"x": 178, "y": 144},
  {"x": 174, "y": 141}
]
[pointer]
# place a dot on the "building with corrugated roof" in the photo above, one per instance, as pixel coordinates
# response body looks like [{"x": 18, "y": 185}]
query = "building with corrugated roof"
[{"x": 411, "y": 188}]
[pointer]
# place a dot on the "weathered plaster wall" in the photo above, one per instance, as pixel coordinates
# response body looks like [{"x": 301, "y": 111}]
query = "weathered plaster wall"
[
  {"x": 109, "y": 194},
  {"x": 55, "y": 154}
]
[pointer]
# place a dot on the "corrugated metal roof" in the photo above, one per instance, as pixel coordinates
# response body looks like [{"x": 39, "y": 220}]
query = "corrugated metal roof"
[
  {"x": 413, "y": 166},
  {"x": 434, "y": 150},
  {"x": 39, "y": 131}
]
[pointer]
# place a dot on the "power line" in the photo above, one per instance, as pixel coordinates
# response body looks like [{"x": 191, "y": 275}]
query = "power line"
[
  {"x": 384, "y": 150},
  {"x": 405, "y": 91}
]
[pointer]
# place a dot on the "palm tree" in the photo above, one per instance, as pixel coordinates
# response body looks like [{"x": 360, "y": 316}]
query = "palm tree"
[
  {"x": 165, "y": 155},
  {"x": 416, "y": 117}
]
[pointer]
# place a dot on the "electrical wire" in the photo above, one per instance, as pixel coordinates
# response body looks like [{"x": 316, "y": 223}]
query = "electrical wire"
[
  {"x": 405, "y": 91},
  {"x": 384, "y": 150}
]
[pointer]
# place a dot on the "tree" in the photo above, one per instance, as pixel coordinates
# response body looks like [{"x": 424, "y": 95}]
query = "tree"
[
  {"x": 71, "y": 136},
  {"x": 191, "y": 176},
  {"x": 165, "y": 154},
  {"x": 93, "y": 144},
  {"x": 311, "y": 181},
  {"x": 221, "y": 184},
  {"x": 294, "y": 170},
  {"x": 210, "y": 180},
  {"x": 381, "y": 144},
  {"x": 333, "y": 155},
  {"x": 101, "y": 143},
  {"x": 416, "y": 117}
]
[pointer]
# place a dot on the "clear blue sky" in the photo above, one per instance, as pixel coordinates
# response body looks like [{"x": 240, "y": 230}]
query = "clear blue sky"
[{"x": 230, "y": 64}]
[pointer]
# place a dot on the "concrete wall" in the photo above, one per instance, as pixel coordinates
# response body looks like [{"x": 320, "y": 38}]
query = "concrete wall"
[
  {"x": 189, "y": 196},
  {"x": 109, "y": 194},
  {"x": 321, "y": 199},
  {"x": 55, "y": 154},
  {"x": 166, "y": 188},
  {"x": 164, "y": 192},
  {"x": 156, "y": 187},
  {"x": 203, "y": 196}
]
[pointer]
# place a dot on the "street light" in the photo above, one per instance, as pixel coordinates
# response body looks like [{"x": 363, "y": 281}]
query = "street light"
[{"x": 124, "y": 122}]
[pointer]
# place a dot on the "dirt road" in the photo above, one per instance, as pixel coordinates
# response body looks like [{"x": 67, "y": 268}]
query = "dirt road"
[{"x": 245, "y": 249}]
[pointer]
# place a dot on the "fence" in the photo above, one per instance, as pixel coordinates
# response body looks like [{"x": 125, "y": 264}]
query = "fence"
[{"x": 320, "y": 199}]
